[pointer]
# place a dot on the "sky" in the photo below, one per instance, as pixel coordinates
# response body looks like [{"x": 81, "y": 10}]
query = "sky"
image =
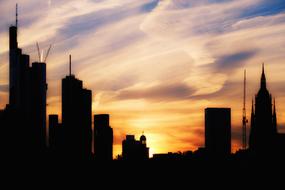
[{"x": 155, "y": 65}]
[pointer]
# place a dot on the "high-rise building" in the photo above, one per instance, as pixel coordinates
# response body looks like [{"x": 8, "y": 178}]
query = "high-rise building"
[
  {"x": 25, "y": 115},
  {"x": 18, "y": 74},
  {"x": 103, "y": 138},
  {"x": 218, "y": 131},
  {"x": 135, "y": 150},
  {"x": 76, "y": 118},
  {"x": 38, "y": 96}
]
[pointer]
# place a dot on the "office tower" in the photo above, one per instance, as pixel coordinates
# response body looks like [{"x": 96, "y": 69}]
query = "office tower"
[
  {"x": 76, "y": 117},
  {"x": 38, "y": 104},
  {"x": 18, "y": 110},
  {"x": 263, "y": 120},
  {"x": 135, "y": 150},
  {"x": 218, "y": 131},
  {"x": 25, "y": 115},
  {"x": 14, "y": 59},
  {"x": 18, "y": 73},
  {"x": 103, "y": 138}
]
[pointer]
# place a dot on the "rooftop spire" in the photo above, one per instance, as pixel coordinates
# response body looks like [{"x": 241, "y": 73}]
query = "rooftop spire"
[
  {"x": 69, "y": 65},
  {"x": 263, "y": 78},
  {"x": 17, "y": 15}
]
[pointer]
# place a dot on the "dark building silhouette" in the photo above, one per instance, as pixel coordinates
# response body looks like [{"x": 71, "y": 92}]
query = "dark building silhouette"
[
  {"x": 76, "y": 117},
  {"x": 134, "y": 150},
  {"x": 103, "y": 138},
  {"x": 38, "y": 104},
  {"x": 170, "y": 156},
  {"x": 1, "y": 114},
  {"x": 23, "y": 123},
  {"x": 24, "y": 118},
  {"x": 53, "y": 127},
  {"x": 18, "y": 111},
  {"x": 218, "y": 131},
  {"x": 55, "y": 136},
  {"x": 264, "y": 134},
  {"x": 19, "y": 71}
]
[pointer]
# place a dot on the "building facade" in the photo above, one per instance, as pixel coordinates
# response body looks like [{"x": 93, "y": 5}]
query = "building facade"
[
  {"x": 103, "y": 138},
  {"x": 218, "y": 131}
]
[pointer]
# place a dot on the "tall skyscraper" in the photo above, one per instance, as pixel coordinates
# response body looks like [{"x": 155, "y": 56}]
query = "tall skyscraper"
[
  {"x": 218, "y": 131},
  {"x": 76, "y": 117},
  {"x": 103, "y": 138},
  {"x": 25, "y": 115},
  {"x": 263, "y": 120},
  {"x": 18, "y": 73},
  {"x": 38, "y": 96}
]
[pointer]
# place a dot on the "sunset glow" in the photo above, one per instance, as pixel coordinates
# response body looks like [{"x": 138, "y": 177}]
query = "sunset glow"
[{"x": 155, "y": 65}]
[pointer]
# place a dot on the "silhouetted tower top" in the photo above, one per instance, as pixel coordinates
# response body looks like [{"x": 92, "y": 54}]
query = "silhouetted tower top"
[
  {"x": 263, "y": 92},
  {"x": 17, "y": 15},
  {"x": 263, "y": 130},
  {"x": 13, "y": 32},
  {"x": 263, "y": 79},
  {"x": 143, "y": 139}
]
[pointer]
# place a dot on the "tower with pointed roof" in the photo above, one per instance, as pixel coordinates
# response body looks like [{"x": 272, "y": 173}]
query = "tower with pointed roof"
[{"x": 263, "y": 119}]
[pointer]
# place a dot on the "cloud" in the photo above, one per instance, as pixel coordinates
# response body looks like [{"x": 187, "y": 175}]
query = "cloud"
[
  {"x": 260, "y": 21},
  {"x": 160, "y": 92},
  {"x": 94, "y": 20},
  {"x": 228, "y": 90},
  {"x": 149, "y": 6},
  {"x": 264, "y": 8},
  {"x": 232, "y": 61}
]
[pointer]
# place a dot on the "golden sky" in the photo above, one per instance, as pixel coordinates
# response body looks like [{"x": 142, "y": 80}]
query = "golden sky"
[{"x": 155, "y": 65}]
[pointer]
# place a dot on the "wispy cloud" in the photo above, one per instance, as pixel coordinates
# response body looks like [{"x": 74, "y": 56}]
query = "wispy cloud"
[{"x": 160, "y": 92}]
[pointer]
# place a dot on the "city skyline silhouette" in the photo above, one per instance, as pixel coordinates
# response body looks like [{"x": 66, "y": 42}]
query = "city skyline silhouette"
[{"x": 28, "y": 106}]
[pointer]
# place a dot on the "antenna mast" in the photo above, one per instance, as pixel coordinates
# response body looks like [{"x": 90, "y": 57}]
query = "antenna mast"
[
  {"x": 17, "y": 15},
  {"x": 69, "y": 65},
  {"x": 244, "y": 120}
]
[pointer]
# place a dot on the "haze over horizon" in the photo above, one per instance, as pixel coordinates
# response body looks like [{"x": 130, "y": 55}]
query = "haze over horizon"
[{"x": 153, "y": 65}]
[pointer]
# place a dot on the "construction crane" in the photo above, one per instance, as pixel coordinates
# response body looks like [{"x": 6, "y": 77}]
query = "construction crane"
[
  {"x": 244, "y": 119},
  {"x": 47, "y": 53},
  {"x": 41, "y": 54}
]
